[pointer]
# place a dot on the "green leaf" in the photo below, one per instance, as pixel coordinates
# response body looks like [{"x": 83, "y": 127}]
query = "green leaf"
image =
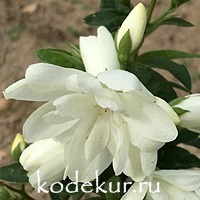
[
  {"x": 185, "y": 136},
  {"x": 13, "y": 173},
  {"x": 176, "y": 22},
  {"x": 156, "y": 83},
  {"x": 180, "y": 111},
  {"x": 179, "y": 71},
  {"x": 111, "y": 19},
  {"x": 176, "y": 101},
  {"x": 175, "y": 85},
  {"x": 59, "y": 57},
  {"x": 174, "y": 157},
  {"x": 122, "y": 5},
  {"x": 195, "y": 142},
  {"x": 168, "y": 54},
  {"x": 177, "y": 3},
  {"x": 5, "y": 195},
  {"x": 112, "y": 185},
  {"x": 125, "y": 45}
]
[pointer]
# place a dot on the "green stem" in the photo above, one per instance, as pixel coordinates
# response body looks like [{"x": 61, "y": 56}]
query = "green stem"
[
  {"x": 21, "y": 192},
  {"x": 150, "y": 10}
]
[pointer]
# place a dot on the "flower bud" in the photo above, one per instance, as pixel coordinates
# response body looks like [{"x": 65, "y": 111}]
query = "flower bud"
[
  {"x": 136, "y": 24},
  {"x": 18, "y": 146},
  {"x": 190, "y": 117},
  {"x": 169, "y": 110}
]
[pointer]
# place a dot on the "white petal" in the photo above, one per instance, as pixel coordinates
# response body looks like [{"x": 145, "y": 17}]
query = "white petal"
[
  {"x": 111, "y": 100},
  {"x": 188, "y": 180},
  {"x": 36, "y": 128},
  {"x": 191, "y": 196},
  {"x": 99, "y": 135},
  {"x": 43, "y": 82},
  {"x": 50, "y": 172},
  {"x": 76, "y": 105},
  {"x": 97, "y": 166},
  {"x": 90, "y": 54},
  {"x": 99, "y": 53},
  {"x": 133, "y": 166},
  {"x": 164, "y": 191},
  {"x": 119, "y": 80},
  {"x": 148, "y": 162},
  {"x": 108, "y": 50},
  {"x": 147, "y": 119},
  {"x": 76, "y": 148},
  {"x": 40, "y": 152},
  {"x": 118, "y": 143}
]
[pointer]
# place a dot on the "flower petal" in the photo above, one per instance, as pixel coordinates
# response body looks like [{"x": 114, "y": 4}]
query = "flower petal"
[
  {"x": 37, "y": 153},
  {"x": 147, "y": 119},
  {"x": 120, "y": 80},
  {"x": 50, "y": 172},
  {"x": 76, "y": 105},
  {"x": 97, "y": 166},
  {"x": 99, "y": 53},
  {"x": 148, "y": 162},
  {"x": 118, "y": 143},
  {"x": 188, "y": 180},
  {"x": 43, "y": 82},
  {"x": 99, "y": 135},
  {"x": 36, "y": 127},
  {"x": 133, "y": 166}
]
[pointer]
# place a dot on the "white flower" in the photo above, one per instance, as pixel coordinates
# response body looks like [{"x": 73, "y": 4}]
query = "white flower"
[
  {"x": 92, "y": 120},
  {"x": 99, "y": 120},
  {"x": 191, "y": 118},
  {"x": 47, "y": 156},
  {"x": 167, "y": 185},
  {"x": 99, "y": 53},
  {"x": 136, "y": 24}
]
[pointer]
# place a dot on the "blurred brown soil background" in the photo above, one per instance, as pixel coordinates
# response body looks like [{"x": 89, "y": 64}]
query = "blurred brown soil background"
[{"x": 27, "y": 25}]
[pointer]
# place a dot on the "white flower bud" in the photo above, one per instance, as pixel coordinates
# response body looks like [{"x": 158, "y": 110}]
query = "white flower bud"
[
  {"x": 18, "y": 146},
  {"x": 191, "y": 118},
  {"x": 136, "y": 24}
]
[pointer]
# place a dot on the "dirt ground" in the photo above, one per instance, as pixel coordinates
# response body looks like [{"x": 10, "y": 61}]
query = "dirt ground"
[{"x": 27, "y": 25}]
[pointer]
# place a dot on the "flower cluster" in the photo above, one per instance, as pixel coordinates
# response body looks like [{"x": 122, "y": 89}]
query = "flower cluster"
[{"x": 102, "y": 116}]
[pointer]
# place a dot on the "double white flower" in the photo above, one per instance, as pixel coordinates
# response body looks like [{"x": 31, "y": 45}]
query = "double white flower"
[
  {"x": 91, "y": 118},
  {"x": 167, "y": 185},
  {"x": 190, "y": 119}
]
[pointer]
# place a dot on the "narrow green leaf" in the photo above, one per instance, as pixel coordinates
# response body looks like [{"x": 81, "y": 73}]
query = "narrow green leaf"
[
  {"x": 13, "y": 173},
  {"x": 185, "y": 136},
  {"x": 180, "y": 111},
  {"x": 156, "y": 83},
  {"x": 195, "y": 142},
  {"x": 122, "y": 5},
  {"x": 176, "y": 101},
  {"x": 124, "y": 49},
  {"x": 176, "y": 22},
  {"x": 179, "y": 71},
  {"x": 175, "y": 85},
  {"x": 168, "y": 54},
  {"x": 174, "y": 157},
  {"x": 59, "y": 57},
  {"x": 110, "y": 18}
]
